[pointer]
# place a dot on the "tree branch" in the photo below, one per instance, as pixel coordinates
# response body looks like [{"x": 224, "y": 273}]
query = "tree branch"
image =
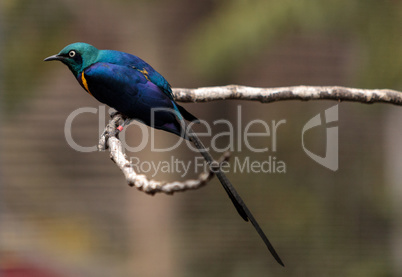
[
  {"x": 305, "y": 93},
  {"x": 109, "y": 138}
]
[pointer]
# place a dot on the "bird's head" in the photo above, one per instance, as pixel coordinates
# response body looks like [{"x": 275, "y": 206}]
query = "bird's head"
[{"x": 76, "y": 56}]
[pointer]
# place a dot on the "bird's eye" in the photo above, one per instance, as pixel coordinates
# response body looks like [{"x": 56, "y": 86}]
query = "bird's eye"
[{"x": 71, "y": 54}]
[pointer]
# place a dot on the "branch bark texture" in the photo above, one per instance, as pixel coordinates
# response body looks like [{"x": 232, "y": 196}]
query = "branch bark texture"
[{"x": 304, "y": 93}]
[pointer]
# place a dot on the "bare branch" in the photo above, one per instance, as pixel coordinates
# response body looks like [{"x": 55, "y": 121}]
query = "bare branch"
[
  {"x": 267, "y": 95},
  {"x": 109, "y": 138}
]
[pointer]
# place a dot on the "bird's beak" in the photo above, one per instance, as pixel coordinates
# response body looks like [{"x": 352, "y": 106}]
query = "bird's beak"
[{"x": 53, "y": 58}]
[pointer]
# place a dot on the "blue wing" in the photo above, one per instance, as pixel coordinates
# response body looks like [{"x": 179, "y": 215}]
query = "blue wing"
[
  {"x": 150, "y": 74},
  {"x": 125, "y": 59},
  {"x": 133, "y": 94}
]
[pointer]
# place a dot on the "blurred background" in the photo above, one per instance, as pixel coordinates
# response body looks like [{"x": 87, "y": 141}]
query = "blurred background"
[{"x": 68, "y": 213}]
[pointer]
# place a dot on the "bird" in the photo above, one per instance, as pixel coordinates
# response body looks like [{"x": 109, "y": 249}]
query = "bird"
[{"x": 133, "y": 88}]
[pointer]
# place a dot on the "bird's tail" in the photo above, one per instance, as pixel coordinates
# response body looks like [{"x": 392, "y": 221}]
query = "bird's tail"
[{"x": 232, "y": 193}]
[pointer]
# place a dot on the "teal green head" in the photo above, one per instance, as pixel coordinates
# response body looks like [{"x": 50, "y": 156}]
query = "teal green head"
[{"x": 76, "y": 56}]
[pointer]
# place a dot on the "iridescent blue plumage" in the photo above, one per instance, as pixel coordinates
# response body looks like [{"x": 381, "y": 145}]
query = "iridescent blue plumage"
[
  {"x": 134, "y": 62},
  {"x": 126, "y": 83},
  {"x": 130, "y": 92},
  {"x": 131, "y": 86}
]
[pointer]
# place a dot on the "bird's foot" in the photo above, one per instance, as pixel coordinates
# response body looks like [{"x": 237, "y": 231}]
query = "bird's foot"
[
  {"x": 120, "y": 128},
  {"x": 116, "y": 118},
  {"x": 113, "y": 114},
  {"x": 112, "y": 129}
]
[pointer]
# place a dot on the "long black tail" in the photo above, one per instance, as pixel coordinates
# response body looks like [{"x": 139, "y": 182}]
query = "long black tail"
[{"x": 233, "y": 195}]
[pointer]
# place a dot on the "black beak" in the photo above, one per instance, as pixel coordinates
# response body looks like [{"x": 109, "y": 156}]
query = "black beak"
[{"x": 53, "y": 58}]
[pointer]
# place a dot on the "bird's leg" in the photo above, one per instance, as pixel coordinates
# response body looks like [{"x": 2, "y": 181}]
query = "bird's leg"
[
  {"x": 119, "y": 128},
  {"x": 113, "y": 114},
  {"x": 113, "y": 128},
  {"x": 125, "y": 122}
]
